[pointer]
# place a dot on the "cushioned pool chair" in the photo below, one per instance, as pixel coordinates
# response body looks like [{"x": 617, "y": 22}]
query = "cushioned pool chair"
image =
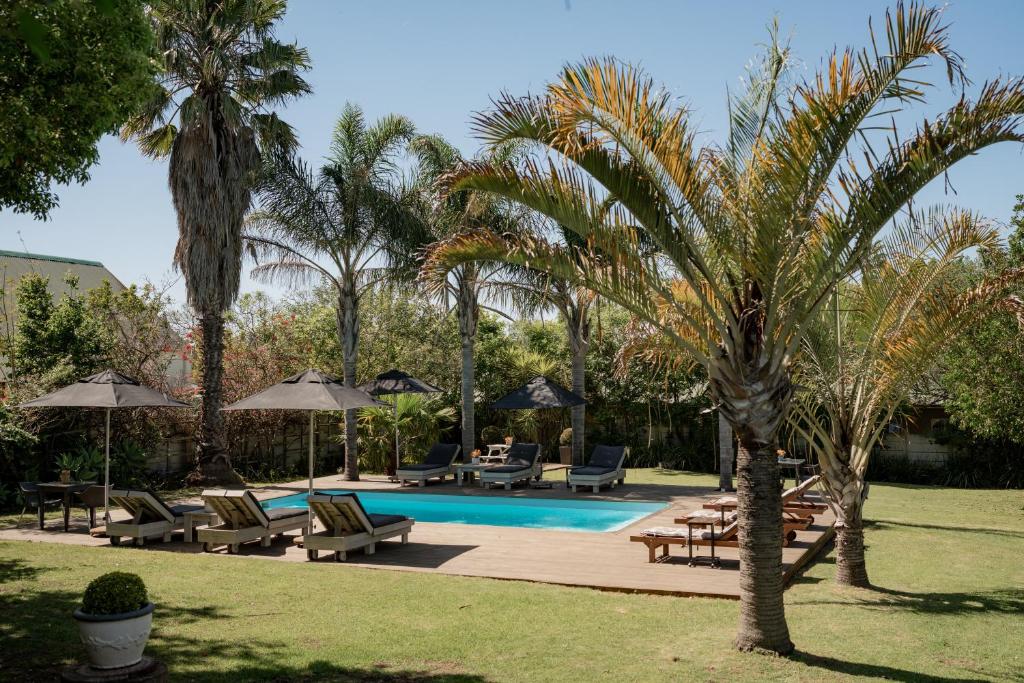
[
  {"x": 794, "y": 502},
  {"x": 522, "y": 462},
  {"x": 151, "y": 517},
  {"x": 438, "y": 464},
  {"x": 348, "y": 526},
  {"x": 244, "y": 519},
  {"x": 604, "y": 468}
]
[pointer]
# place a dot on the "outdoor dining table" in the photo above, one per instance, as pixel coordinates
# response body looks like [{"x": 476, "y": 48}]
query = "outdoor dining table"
[{"x": 65, "y": 490}]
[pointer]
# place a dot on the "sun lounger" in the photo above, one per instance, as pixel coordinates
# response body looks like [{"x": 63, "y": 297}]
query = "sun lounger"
[
  {"x": 438, "y": 464},
  {"x": 793, "y": 501},
  {"x": 605, "y": 467},
  {"x": 348, "y": 526},
  {"x": 522, "y": 462},
  {"x": 726, "y": 537},
  {"x": 151, "y": 517},
  {"x": 244, "y": 519}
]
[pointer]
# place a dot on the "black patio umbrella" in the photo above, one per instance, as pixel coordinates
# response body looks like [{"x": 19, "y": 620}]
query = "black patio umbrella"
[
  {"x": 310, "y": 390},
  {"x": 109, "y": 390},
  {"x": 397, "y": 382},
  {"x": 539, "y": 392}
]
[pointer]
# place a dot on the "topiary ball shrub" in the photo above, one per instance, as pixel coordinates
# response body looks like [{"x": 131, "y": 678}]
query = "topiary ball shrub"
[
  {"x": 115, "y": 593},
  {"x": 565, "y": 438}
]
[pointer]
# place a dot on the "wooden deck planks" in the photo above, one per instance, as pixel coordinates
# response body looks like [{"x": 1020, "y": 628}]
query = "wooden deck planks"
[{"x": 604, "y": 561}]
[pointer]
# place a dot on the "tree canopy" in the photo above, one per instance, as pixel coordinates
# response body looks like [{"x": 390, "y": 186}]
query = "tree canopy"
[{"x": 72, "y": 71}]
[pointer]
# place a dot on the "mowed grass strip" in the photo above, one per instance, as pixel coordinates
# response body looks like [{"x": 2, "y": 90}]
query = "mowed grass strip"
[{"x": 949, "y": 605}]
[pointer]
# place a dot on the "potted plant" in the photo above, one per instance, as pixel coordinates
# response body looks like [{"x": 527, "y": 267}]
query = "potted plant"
[
  {"x": 114, "y": 620},
  {"x": 509, "y": 440},
  {"x": 565, "y": 446},
  {"x": 68, "y": 464},
  {"x": 476, "y": 456}
]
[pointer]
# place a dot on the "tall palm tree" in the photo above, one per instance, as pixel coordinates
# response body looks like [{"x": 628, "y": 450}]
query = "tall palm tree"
[
  {"x": 750, "y": 238},
  {"x": 221, "y": 70},
  {"x": 350, "y": 224},
  {"x": 453, "y": 213},
  {"x": 862, "y": 358}
]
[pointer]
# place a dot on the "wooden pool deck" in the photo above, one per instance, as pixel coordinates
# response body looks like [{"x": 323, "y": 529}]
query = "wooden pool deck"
[{"x": 604, "y": 561}]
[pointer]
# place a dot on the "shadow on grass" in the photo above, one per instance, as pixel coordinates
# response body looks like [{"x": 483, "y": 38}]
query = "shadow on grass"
[
  {"x": 874, "y": 670},
  {"x": 40, "y": 638},
  {"x": 1008, "y": 600},
  {"x": 18, "y": 570},
  {"x": 882, "y": 523}
]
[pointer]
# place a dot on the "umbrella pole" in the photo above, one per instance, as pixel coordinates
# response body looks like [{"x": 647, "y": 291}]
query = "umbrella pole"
[
  {"x": 106, "y": 476},
  {"x": 398, "y": 459},
  {"x": 310, "y": 471}
]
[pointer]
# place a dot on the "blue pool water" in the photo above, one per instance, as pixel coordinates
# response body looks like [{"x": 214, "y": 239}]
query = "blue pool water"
[{"x": 533, "y": 513}]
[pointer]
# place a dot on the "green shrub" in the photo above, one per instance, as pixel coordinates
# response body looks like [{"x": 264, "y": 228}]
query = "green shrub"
[
  {"x": 115, "y": 593},
  {"x": 492, "y": 434}
]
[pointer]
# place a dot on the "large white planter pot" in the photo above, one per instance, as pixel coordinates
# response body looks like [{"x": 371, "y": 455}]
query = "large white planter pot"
[{"x": 115, "y": 640}]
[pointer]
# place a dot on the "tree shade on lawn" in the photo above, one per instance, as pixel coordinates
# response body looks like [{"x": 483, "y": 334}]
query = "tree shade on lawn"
[
  {"x": 221, "y": 69},
  {"x": 108, "y": 390},
  {"x": 395, "y": 382},
  {"x": 311, "y": 390},
  {"x": 731, "y": 251}
]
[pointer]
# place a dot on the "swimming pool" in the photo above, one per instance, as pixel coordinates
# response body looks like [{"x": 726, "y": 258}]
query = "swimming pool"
[{"x": 532, "y": 513}]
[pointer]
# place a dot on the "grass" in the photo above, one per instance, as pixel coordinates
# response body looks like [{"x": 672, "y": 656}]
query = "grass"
[{"x": 949, "y": 605}]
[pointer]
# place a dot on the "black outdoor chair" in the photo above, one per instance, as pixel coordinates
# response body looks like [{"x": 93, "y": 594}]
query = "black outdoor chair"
[
  {"x": 91, "y": 498},
  {"x": 31, "y": 498}
]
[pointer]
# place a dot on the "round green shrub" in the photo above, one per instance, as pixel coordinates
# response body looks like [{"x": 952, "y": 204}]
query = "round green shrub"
[
  {"x": 492, "y": 434},
  {"x": 565, "y": 438},
  {"x": 115, "y": 593}
]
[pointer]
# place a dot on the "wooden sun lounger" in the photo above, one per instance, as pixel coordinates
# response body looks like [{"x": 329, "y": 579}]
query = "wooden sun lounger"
[
  {"x": 438, "y": 463},
  {"x": 604, "y": 468},
  {"x": 522, "y": 463},
  {"x": 243, "y": 519},
  {"x": 727, "y": 537},
  {"x": 793, "y": 502},
  {"x": 151, "y": 516},
  {"x": 348, "y": 526}
]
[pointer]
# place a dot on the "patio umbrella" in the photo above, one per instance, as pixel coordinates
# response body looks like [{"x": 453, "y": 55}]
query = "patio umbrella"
[
  {"x": 310, "y": 390},
  {"x": 397, "y": 382},
  {"x": 539, "y": 392},
  {"x": 109, "y": 390}
]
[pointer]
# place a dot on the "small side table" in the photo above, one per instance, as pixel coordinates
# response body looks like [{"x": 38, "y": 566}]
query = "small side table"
[
  {"x": 701, "y": 519},
  {"x": 468, "y": 470},
  {"x": 197, "y": 518}
]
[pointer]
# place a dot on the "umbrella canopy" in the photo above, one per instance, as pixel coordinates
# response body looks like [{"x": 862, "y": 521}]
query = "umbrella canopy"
[
  {"x": 539, "y": 392},
  {"x": 397, "y": 382},
  {"x": 309, "y": 390},
  {"x": 107, "y": 389}
]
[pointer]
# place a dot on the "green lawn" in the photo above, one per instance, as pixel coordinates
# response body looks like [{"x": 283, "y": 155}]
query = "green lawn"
[{"x": 949, "y": 606}]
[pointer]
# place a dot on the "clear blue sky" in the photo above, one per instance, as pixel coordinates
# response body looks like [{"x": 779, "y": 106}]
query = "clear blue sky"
[{"x": 437, "y": 62}]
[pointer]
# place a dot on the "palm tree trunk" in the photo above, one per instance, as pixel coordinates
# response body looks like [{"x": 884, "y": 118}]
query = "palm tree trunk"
[
  {"x": 759, "y": 493},
  {"x": 468, "y": 313},
  {"x": 213, "y": 464},
  {"x": 848, "y": 492},
  {"x": 725, "y": 454},
  {"x": 579, "y": 387},
  {"x": 348, "y": 335}
]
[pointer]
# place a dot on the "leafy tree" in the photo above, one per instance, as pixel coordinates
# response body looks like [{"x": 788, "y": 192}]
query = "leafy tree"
[
  {"x": 350, "y": 225},
  {"x": 58, "y": 341},
  {"x": 985, "y": 368},
  {"x": 864, "y": 355},
  {"x": 72, "y": 70},
  {"x": 732, "y": 251},
  {"x": 221, "y": 70}
]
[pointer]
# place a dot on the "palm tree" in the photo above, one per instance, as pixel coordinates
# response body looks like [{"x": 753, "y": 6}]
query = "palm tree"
[
  {"x": 454, "y": 213},
  {"x": 350, "y": 224},
  {"x": 749, "y": 239},
  {"x": 863, "y": 357},
  {"x": 221, "y": 69}
]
